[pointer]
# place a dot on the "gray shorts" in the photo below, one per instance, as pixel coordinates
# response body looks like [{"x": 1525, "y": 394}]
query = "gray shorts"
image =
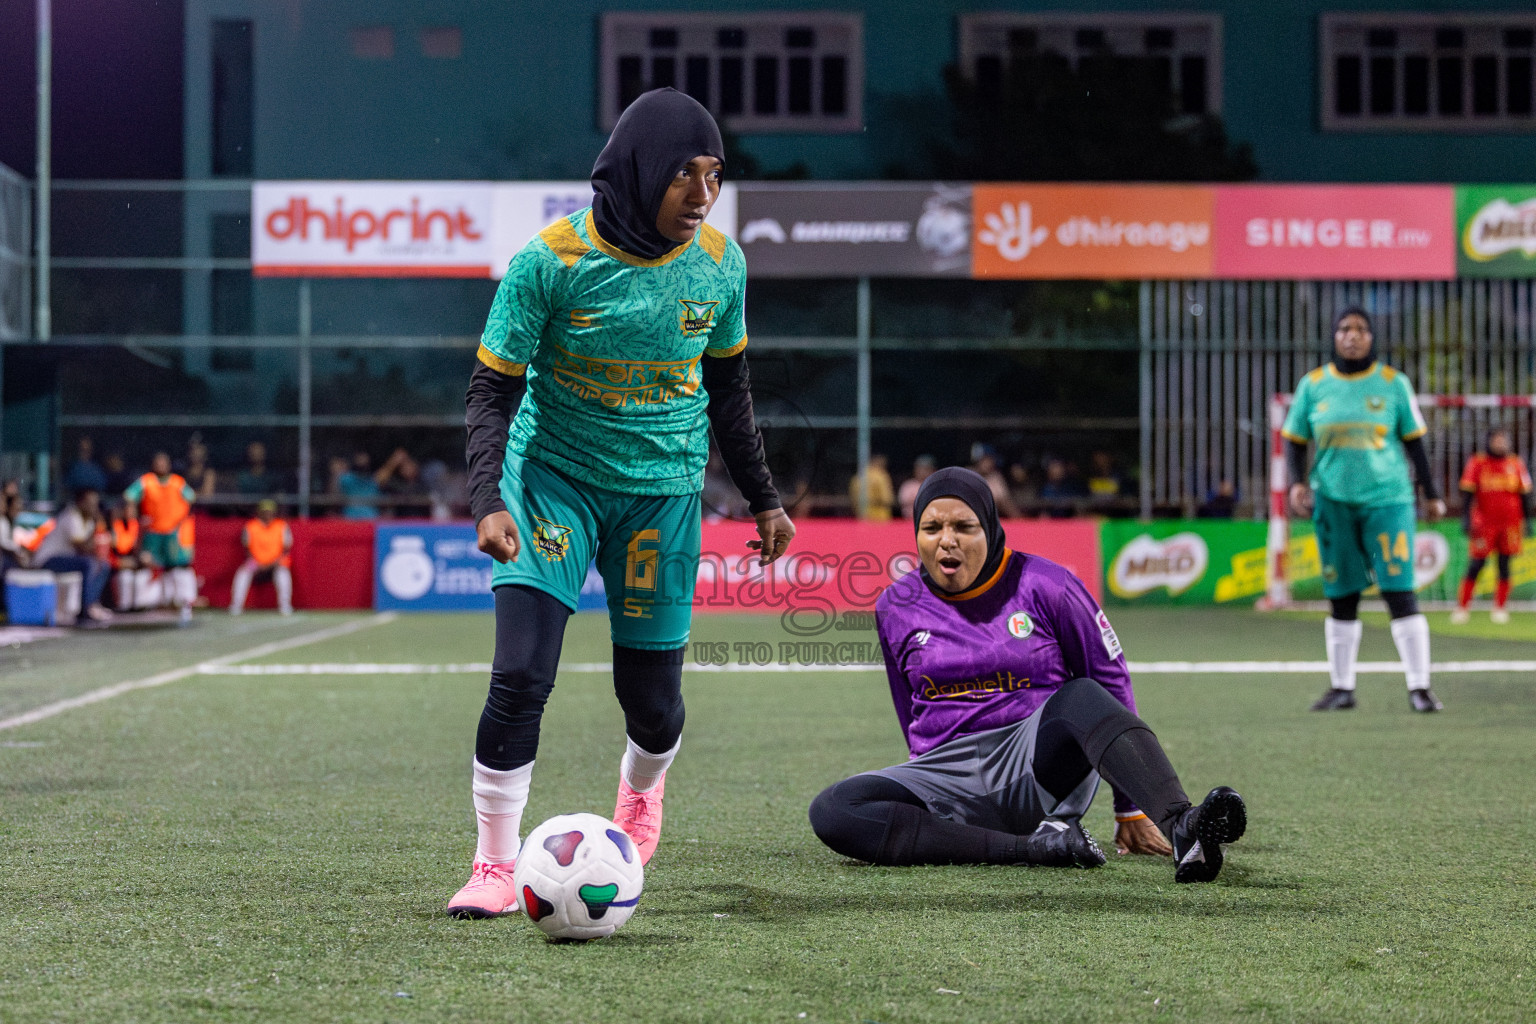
[{"x": 988, "y": 779}]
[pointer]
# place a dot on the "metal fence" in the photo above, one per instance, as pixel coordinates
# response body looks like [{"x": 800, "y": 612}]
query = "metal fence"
[
  {"x": 1215, "y": 352},
  {"x": 15, "y": 255}
]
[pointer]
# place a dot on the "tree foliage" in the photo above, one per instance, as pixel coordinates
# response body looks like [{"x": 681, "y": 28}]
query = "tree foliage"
[{"x": 1109, "y": 118}]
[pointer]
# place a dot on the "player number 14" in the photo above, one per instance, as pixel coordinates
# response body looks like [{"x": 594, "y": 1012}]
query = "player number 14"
[{"x": 1394, "y": 549}]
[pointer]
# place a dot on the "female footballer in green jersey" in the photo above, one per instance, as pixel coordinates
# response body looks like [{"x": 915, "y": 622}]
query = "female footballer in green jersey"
[
  {"x": 617, "y": 338},
  {"x": 1367, "y": 426}
]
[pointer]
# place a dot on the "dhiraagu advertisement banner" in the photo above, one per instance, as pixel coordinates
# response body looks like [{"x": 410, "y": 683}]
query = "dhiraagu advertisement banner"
[
  {"x": 1496, "y": 230},
  {"x": 1217, "y": 561}
]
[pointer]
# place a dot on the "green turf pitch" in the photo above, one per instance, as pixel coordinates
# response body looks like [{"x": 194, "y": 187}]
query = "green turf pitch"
[{"x": 279, "y": 848}]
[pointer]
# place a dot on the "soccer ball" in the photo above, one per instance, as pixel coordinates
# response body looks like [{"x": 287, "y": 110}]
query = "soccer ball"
[{"x": 578, "y": 876}]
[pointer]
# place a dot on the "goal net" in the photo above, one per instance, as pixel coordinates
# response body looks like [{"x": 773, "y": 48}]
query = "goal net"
[{"x": 1458, "y": 426}]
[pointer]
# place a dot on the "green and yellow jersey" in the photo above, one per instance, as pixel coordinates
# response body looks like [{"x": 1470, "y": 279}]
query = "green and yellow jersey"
[
  {"x": 1358, "y": 421},
  {"x": 611, "y": 345}
]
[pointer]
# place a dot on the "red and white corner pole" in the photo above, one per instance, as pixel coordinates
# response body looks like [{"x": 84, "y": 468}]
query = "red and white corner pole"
[{"x": 1278, "y": 594}]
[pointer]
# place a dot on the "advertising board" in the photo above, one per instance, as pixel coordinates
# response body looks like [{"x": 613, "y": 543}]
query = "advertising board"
[
  {"x": 1335, "y": 232},
  {"x": 876, "y": 230},
  {"x": 1092, "y": 231}
]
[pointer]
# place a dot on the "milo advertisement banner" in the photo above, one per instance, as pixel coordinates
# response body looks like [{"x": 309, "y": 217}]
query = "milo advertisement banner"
[
  {"x": 1206, "y": 561},
  {"x": 1496, "y": 230}
]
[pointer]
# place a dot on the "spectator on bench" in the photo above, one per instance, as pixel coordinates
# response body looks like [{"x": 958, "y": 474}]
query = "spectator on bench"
[
  {"x": 268, "y": 543},
  {"x": 69, "y": 546}
]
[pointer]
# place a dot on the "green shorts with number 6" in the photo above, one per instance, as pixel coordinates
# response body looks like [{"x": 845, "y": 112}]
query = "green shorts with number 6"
[
  {"x": 646, "y": 546},
  {"x": 1360, "y": 545}
]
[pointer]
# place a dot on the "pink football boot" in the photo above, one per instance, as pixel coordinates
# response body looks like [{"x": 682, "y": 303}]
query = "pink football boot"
[
  {"x": 488, "y": 893},
  {"x": 639, "y": 815}
]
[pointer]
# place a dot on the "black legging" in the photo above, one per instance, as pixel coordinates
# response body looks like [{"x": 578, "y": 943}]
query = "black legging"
[
  {"x": 530, "y": 629},
  {"x": 1475, "y": 567},
  {"x": 1400, "y": 605},
  {"x": 1082, "y": 728}
]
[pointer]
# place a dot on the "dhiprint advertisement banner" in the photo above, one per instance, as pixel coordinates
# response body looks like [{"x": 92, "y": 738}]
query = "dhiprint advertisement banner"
[
  {"x": 1092, "y": 231},
  {"x": 876, "y": 230},
  {"x": 413, "y": 229},
  {"x": 1335, "y": 232},
  {"x": 1496, "y": 230},
  {"x": 371, "y": 229}
]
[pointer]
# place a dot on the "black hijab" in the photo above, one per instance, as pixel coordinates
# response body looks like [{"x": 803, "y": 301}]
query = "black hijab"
[
  {"x": 1352, "y": 365},
  {"x": 971, "y": 488},
  {"x": 659, "y": 133}
]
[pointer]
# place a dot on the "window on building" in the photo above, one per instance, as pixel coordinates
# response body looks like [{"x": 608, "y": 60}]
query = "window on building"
[
  {"x": 442, "y": 42},
  {"x": 233, "y": 123},
  {"x": 1183, "y": 50},
  {"x": 230, "y": 299},
  {"x": 786, "y": 71},
  {"x": 372, "y": 42},
  {"x": 1427, "y": 72}
]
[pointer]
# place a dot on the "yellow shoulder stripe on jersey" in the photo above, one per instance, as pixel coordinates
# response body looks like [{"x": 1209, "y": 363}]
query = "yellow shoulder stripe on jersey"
[
  {"x": 563, "y": 241},
  {"x": 1414, "y": 435},
  {"x": 723, "y": 353},
  {"x": 1293, "y": 437},
  {"x": 712, "y": 242},
  {"x": 608, "y": 248},
  {"x": 502, "y": 366},
  {"x": 1317, "y": 375},
  {"x": 1388, "y": 374}
]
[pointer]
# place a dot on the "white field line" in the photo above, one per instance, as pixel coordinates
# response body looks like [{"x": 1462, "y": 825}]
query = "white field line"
[
  {"x": 58, "y": 707},
  {"x": 220, "y": 668}
]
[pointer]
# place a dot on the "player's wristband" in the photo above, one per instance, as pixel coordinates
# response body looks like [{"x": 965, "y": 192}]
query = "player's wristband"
[{"x": 1121, "y": 819}]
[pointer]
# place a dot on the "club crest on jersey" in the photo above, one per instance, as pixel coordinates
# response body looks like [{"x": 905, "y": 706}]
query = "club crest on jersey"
[
  {"x": 697, "y": 317},
  {"x": 1020, "y": 624},
  {"x": 552, "y": 540},
  {"x": 1375, "y": 403}
]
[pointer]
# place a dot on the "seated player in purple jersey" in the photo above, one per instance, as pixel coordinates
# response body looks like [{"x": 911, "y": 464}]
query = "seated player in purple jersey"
[{"x": 1013, "y": 693}]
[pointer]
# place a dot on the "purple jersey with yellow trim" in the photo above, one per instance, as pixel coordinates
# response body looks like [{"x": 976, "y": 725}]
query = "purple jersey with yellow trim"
[{"x": 993, "y": 656}]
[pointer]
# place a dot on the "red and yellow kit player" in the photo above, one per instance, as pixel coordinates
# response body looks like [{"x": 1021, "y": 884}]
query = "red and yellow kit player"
[{"x": 1498, "y": 489}]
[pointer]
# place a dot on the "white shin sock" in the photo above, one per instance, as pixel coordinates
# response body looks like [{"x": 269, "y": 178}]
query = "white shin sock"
[
  {"x": 1342, "y": 641},
  {"x": 499, "y": 801},
  {"x": 1411, "y": 635},
  {"x": 641, "y": 769}
]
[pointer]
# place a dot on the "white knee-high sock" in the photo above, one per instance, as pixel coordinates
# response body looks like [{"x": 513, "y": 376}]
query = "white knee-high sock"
[
  {"x": 282, "y": 579},
  {"x": 499, "y": 801},
  {"x": 1342, "y": 641},
  {"x": 641, "y": 769},
  {"x": 1411, "y": 635},
  {"x": 240, "y": 588},
  {"x": 184, "y": 582}
]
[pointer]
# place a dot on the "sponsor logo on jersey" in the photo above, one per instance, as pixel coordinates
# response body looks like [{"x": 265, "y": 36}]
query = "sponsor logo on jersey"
[
  {"x": 1375, "y": 403},
  {"x": 1020, "y": 624},
  {"x": 697, "y": 317},
  {"x": 552, "y": 540},
  {"x": 1001, "y": 681},
  {"x": 1107, "y": 634},
  {"x": 584, "y": 317}
]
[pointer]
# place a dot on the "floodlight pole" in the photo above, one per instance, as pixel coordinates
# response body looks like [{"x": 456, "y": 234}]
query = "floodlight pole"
[
  {"x": 306, "y": 395},
  {"x": 861, "y": 508},
  {"x": 43, "y": 319}
]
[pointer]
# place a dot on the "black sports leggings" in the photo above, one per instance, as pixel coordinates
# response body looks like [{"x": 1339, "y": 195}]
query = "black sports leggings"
[
  {"x": 530, "y": 629},
  {"x": 1082, "y": 728},
  {"x": 1475, "y": 567}
]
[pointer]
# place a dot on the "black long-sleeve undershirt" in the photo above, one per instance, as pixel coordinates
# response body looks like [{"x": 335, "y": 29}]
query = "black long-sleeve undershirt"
[
  {"x": 1296, "y": 459},
  {"x": 489, "y": 406},
  {"x": 493, "y": 398},
  {"x": 732, "y": 421}
]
